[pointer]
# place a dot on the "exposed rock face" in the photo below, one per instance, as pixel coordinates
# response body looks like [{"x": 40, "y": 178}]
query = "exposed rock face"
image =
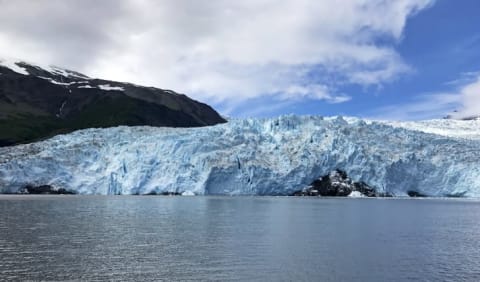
[
  {"x": 336, "y": 184},
  {"x": 415, "y": 194},
  {"x": 366, "y": 190},
  {"x": 163, "y": 193},
  {"x": 45, "y": 189},
  {"x": 38, "y": 103}
]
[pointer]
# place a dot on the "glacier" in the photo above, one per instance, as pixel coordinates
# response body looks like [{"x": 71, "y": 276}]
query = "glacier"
[{"x": 274, "y": 156}]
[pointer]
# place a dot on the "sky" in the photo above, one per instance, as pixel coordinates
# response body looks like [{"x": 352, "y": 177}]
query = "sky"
[{"x": 398, "y": 59}]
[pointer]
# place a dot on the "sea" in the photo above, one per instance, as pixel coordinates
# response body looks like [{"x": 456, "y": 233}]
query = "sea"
[{"x": 201, "y": 238}]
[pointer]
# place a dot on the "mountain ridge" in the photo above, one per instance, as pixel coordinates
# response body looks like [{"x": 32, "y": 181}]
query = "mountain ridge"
[{"x": 38, "y": 102}]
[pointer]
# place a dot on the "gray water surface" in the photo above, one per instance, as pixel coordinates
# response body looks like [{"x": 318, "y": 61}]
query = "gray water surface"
[{"x": 238, "y": 238}]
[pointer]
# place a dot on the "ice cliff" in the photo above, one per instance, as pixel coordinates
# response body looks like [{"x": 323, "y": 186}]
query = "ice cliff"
[{"x": 253, "y": 157}]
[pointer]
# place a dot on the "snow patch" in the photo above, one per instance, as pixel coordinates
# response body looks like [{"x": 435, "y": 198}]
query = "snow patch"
[
  {"x": 59, "y": 114},
  {"x": 65, "y": 73},
  {"x": 106, "y": 87},
  {"x": 12, "y": 65},
  {"x": 56, "y": 82},
  {"x": 110, "y": 88}
]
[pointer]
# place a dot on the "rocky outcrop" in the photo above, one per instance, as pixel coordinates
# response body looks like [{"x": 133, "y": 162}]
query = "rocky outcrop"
[
  {"x": 416, "y": 194},
  {"x": 336, "y": 184},
  {"x": 45, "y": 189},
  {"x": 163, "y": 193}
]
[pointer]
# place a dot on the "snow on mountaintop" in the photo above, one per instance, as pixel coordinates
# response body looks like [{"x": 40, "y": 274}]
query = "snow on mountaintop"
[
  {"x": 12, "y": 64},
  {"x": 40, "y": 101},
  {"x": 58, "y": 76},
  {"x": 250, "y": 157},
  {"x": 19, "y": 66},
  {"x": 67, "y": 73},
  {"x": 110, "y": 88},
  {"x": 57, "y": 82}
]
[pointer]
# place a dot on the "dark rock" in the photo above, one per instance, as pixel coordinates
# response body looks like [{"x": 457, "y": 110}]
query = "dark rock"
[
  {"x": 456, "y": 195},
  {"x": 306, "y": 192},
  {"x": 45, "y": 189},
  {"x": 415, "y": 194},
  {"x": 336, "y": 184},
  {"x": 168, "y": 193},
  {"x": 366, "y": 190},
  {"x": 164, "y": 193}
]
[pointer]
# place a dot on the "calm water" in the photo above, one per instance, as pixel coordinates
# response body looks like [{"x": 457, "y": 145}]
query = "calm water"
[{"x": 257, "y": 238}]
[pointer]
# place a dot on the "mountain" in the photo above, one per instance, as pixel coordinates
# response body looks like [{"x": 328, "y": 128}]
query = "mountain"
[
  {"x": 277, "y": 156},
  {"x": 39, "y": 102}
]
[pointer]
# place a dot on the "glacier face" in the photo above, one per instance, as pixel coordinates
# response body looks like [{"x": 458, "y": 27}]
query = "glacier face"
[{"x": 253, "y": 157}]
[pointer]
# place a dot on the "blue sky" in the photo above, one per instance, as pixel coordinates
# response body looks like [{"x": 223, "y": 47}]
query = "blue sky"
[
  {"x": 388, "y": 59},
  {"x": 442, "y": 46}
]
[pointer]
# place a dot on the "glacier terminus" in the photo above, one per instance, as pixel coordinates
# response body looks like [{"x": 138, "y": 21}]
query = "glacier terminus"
[{"x": 274, "y": 156}]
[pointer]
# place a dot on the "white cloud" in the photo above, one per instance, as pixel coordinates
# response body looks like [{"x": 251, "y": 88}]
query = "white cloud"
[
  {"x": 423, "y": 107},
  {"x": 462, "y": 102},
  {"x": 219, "y": 51},
  {"x": 469, "y": 96},
  {"x": 312, "y": 91}
]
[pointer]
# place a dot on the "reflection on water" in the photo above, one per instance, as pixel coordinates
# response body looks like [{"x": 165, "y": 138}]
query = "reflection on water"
[{"x": 246, "y": 238}]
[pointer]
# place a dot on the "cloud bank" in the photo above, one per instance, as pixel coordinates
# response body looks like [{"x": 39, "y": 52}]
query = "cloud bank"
[
  {"x": 469, "y": 99},
  {"x": 219, "y": 51},
  {"x": 461, "y": 102}
]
